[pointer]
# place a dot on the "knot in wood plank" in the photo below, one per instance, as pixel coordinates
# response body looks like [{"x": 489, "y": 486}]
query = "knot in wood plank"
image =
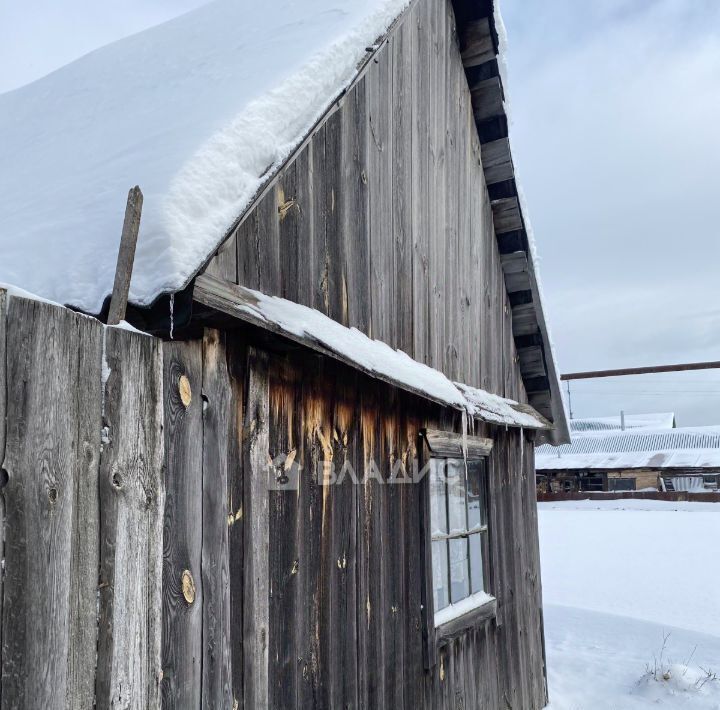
[
  {"x": 185, "y": 390},
  {"x": 188, "y": 586}
]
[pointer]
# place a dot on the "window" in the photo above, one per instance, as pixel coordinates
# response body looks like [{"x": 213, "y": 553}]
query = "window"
[{"x": 459, "y": 531}]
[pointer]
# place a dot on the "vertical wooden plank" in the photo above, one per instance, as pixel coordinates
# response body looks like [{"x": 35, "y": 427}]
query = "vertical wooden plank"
[
  {"x": 356, "y": 208},
  {"x": 343, "y": 545},
  {"x": 224, "y": 263},
  {"x": 321, "y": 198},
  {"x": 393, "y": 611},
  {"x": 248, "y": 250},
  {"x": 131, "y": 504},
  {"x": 402, "y": 204},
  {"x": 333, "y": 204},
  {"x": 415, "y": 570},
  {"x": 217, "y": 435},
  {"x": 438, "y": 167},
  {"x": 284, "y": 563},
  {"x": 3, "y": 473},
  {"x": 182, "y": 531},
  {"x": 3, "y": 381},
  {"x": 237, "y": 364},
  {"x": 305, "y": 220},
  {"x": 372, "y": 537},
  {"x": 420, "y": 64},
  {"x": 309, "y": 521},
  {"x": 289, "y": 218},
  {"x": 256, "y": 521},
  {"x": 51, "y": 547},
  {"x": 268, "y": 240},
  {"x": 380, "y": 170}
]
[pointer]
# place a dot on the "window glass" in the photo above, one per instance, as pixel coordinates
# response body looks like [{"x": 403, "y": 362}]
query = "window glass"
[
  {"x": 459, "y": 570},
  {"x": 477, "y": 510},
  {"x": 438, "y": 498},
  {"x": 477, "y": 582},
  {"x": 440, "y": 573},
  {"x": 457, "y": 510}
]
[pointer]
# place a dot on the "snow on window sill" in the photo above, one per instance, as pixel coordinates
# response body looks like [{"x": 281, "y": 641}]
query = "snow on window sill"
[{"x": 464, "y": 606}]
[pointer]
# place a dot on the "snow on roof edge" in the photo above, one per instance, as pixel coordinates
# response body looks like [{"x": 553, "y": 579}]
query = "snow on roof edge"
[{"x": 312, "y": 328}]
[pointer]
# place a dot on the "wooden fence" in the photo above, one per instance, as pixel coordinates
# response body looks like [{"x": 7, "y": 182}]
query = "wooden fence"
[{"x": 81, "y": 445}]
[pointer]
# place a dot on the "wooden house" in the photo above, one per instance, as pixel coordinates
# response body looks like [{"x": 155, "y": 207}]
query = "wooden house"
[
  {"x": 644, "y": 452},
  {"x": 314, "y": 486}
]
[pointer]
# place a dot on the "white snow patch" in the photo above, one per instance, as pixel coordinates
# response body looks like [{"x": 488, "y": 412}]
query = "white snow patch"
[
  {"x": 198, "y": 111},
  {"x": 454, "y": 611},
  {"x": 12, "y": 290},
  {"x": 600, "y": 661},
  {"x": 630, "y": 596},
  {"x": 654, "y": 561}
]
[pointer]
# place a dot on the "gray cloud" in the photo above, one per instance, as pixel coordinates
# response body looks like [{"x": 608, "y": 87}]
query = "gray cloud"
[{"x": 616, "y": 106}]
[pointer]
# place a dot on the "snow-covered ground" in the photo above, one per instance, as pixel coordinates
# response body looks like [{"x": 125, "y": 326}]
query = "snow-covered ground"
[{"x": 632, "y": 604}]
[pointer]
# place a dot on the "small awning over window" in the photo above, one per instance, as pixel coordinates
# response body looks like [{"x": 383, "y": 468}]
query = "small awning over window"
[{"x": 377, "y": 359}]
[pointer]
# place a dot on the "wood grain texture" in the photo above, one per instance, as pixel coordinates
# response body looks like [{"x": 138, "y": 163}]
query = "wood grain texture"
[
  {"x": 237, "y": 368},
  {"x": 383, "y": 221},
  {"x": 51, "y": 547},
  {"x": 126, "y": 256},
  {"x": 132, "y": 502},
  {"x": 3, "y": 479},
  {"x": 182, "y": 529},
  {"x": 218, "y": 430},
  {"x": 256, "y": 620}
]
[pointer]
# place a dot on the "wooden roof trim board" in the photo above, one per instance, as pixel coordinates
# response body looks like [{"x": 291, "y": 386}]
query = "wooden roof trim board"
[
  {"x": 479, "y": 34},
  {"x": 314, "y": 330}
]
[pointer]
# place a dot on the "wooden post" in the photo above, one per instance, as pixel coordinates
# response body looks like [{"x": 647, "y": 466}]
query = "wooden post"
[{"x": 126, "y": 256}]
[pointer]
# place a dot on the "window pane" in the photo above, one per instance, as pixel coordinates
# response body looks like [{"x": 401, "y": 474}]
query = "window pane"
[
  {"x": 440, "y": 574},
  {"x": 456, "y": 495},
  {"x": 477, "y": 583},
  {"x": 438, "y": 498},
  {"x": 459, "y": 577},
  {"x": 477, "y": 506}
]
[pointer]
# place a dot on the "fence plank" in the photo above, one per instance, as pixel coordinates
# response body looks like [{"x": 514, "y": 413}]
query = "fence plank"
[
  {"x": 3, "y": 479},
  {"x": 217, "y": 433},
  {"x": 131, "y": 504},
  {"x": 182, "y": 544},
  {"x": 256, "y": 521},
  {"x": 51, "y": 550}
]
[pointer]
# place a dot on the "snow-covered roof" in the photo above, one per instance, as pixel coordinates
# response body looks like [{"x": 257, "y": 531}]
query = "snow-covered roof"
[
  {"x": 197, "y": 111},
  {"x": 687, "y": 447},
  {"x": 351, "y": 346},
  {"x": 659, "y": 420}
]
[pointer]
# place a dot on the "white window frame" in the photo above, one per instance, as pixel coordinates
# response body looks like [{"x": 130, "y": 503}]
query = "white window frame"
[{"x": 475, "y": 600}]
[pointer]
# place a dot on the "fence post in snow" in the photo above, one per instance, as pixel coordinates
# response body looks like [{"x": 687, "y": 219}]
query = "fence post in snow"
[{"x": 126, "y": 256}]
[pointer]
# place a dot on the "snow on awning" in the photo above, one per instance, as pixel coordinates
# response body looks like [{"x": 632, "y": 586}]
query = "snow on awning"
[{"x": 323, "y": 334}]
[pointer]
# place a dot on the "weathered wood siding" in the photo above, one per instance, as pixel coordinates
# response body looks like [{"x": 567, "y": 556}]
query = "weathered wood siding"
[
  {"x": 382, "y": 220},
  {"x": 346, "y": 561}
]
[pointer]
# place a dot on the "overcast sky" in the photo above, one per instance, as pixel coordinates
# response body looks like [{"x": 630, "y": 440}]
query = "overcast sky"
[{"x": 616, "y": 137}]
